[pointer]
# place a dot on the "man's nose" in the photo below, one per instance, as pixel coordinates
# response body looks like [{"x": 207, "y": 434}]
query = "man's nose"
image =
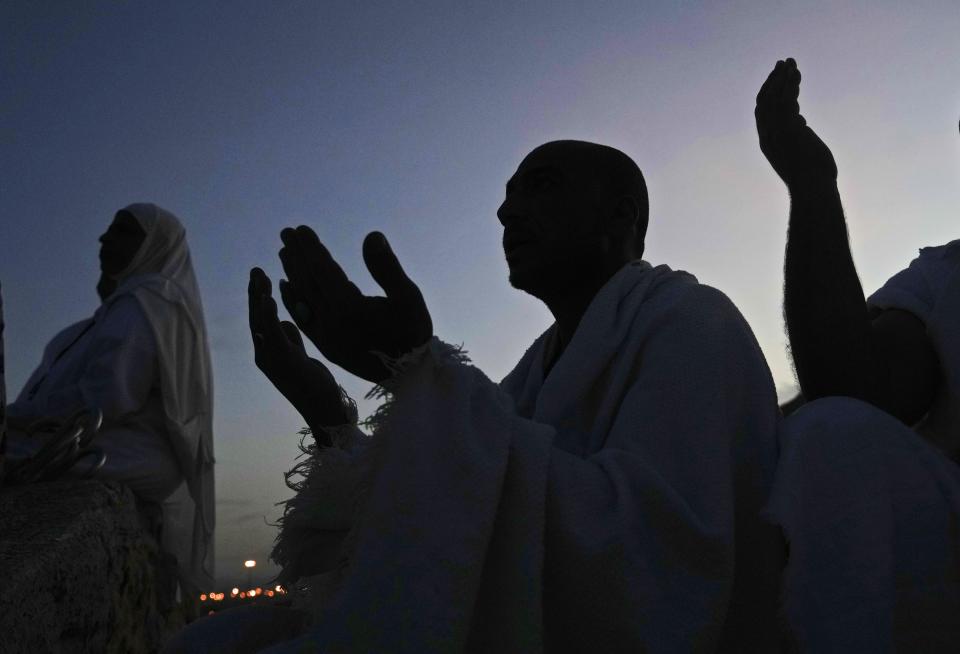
[{"x": 507, "y": 213}]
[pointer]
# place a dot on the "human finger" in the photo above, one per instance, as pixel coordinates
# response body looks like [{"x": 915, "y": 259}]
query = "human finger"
[
  {"x": 779, "y": 88},
  {"x": 268, "y": 338},
  {"x": 271, "y": 330},
  {"x": 790, "y": 90},
  {"x": 324, "y": 269},
  {"x": 257, "y": 287},
  {"x": 793, "y": 69},
  {"x": 763, "y": 110},
  {"x": 294, "y": 261},
  {"x": 316, "y": 253},
  {"x": 766, "y": 89},
  {"x": 304, "y": 316},
  {"x": 293, "y": 336},
  {"x": 386, "y": 269},
  {"x": 264, "y": 318},
  {"x": 314, "y": 292}
]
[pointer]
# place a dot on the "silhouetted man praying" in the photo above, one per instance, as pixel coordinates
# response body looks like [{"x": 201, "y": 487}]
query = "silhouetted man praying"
[
  {"x": 870, "y": 506},
  {"x": 604, "y": 497}
]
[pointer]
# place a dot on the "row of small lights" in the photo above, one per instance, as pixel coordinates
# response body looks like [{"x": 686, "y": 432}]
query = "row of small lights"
[{"x": 243, "y": 594}]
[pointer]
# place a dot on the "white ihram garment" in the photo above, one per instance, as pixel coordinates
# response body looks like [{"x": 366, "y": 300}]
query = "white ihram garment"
[
  {"x": 612, "y": 506},
  {"x": 871, "y": 507},
  {"x": 109, "y": 362},
  {"x": 154, "y": 383}
]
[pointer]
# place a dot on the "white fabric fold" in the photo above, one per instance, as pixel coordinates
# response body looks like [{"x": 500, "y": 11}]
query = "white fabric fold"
[
  {"x": 147, "y": 337},
  {"x": 162, "y": 279},
  {"x": 870, "y": 506},
  {"x": 930, "y": 289},
  {"x": 612, "y": 506},
  {"x": 108, "y": 362},
  {"x": 870, "y": 510}
]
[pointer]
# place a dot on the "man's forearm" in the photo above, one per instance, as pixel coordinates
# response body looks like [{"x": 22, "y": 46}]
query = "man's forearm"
[{"x": 824, "y": 305}]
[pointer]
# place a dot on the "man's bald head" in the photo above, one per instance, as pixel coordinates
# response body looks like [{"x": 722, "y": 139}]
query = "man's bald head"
[
  {"x": 612, "y": 173},
  {"x": 572, "y": 209}
]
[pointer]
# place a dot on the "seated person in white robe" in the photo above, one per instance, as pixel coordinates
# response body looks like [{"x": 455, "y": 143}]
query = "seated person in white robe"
[
  {"x": 604, "y": 497},
  {"x": 142, "y": 360},
  {"x": 867, "y": 490}
]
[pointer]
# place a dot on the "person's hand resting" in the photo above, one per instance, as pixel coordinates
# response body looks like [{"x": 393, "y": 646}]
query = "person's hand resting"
[
  {"x": 279, "y": 353},
  {"x": 34, "y": 425},
  {"x": 794, "y": 150},
  {"x": 348, "y": 327}
]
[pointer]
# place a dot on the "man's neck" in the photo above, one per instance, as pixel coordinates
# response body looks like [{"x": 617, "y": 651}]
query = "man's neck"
[
  {"x": 570, "y": 303},
  {"x": 105, "y": 287},
  {"x": 568, "y": 311}
]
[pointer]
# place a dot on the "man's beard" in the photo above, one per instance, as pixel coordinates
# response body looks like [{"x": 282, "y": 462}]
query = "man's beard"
[{"x": 550, "y": 279}]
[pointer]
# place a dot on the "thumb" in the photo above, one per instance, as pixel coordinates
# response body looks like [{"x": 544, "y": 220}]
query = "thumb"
[
  {"x": 293, "y": 335},
  {"x": 386, "y": 270}
]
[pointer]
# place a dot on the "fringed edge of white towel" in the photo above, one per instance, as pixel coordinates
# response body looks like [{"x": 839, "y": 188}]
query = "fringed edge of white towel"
[
  {"x": 332, "y": 483},
  {"x": 441, "y": 354},
  {"x": 314, "y": 489}
]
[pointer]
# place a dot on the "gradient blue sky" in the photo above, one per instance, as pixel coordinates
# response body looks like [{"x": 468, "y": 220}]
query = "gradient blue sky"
[{"x": 245, "y": 117}]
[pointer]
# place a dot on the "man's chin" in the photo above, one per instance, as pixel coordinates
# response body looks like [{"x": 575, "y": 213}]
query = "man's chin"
[
  {"x": 530, "y": 280},
  {"x": 549, "y": 279}
]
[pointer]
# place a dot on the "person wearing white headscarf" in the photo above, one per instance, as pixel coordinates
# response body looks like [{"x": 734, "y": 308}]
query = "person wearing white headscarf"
[{"x": 143, "y": 359}]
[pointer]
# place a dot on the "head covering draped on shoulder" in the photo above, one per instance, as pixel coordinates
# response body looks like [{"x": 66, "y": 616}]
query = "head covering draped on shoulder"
[{"x": 160, "y": 276}]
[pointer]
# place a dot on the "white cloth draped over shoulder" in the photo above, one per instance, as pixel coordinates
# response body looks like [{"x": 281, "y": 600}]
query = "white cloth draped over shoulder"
[
  {"x": 109, "y": 362},
  {"x": 870, "y": 507},
  {"x": 870, "y": 511},
  {"x": 612, "y": 506},
  {"x": 143, "y": 359},
  {"x": 930, "y": 289},
  {"x": 162, "y": 279}
]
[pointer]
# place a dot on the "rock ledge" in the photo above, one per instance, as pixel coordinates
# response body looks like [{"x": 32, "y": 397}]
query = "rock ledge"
[{"x": 78, "y": 570}]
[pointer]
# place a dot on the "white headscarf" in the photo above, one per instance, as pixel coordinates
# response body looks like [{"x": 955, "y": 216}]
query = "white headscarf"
[{"x": 160, "y": 276}]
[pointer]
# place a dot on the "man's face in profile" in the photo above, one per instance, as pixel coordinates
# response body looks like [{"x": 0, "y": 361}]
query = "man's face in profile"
[
  {"x": 120, "y": 243},
  {"x": 549, "y": 218}
]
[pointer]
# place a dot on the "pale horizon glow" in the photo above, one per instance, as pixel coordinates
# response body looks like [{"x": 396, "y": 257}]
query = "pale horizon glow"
[{"x": 246, "y": 117}]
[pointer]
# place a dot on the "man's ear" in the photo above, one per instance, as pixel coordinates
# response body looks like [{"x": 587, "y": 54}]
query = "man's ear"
[{"x": 624, "y": 219}]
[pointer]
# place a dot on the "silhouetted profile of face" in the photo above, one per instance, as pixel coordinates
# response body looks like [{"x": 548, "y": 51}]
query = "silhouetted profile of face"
[
  {"x": 119, "y": 244},
  {"x": 573, "y": 211}
]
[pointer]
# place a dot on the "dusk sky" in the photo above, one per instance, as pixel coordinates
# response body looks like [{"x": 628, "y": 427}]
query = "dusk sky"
[{"x": 245, "y": 117}]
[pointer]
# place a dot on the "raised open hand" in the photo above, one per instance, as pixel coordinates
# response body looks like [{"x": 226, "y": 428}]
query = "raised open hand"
[
  {"x": 793, "y": 149},
  {"x": 347, "y": 326},
  {"x": 280, "y": 355}
]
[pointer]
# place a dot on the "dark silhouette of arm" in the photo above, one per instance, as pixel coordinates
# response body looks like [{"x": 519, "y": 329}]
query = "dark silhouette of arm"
[
  {"x": 839, "y": 345},
  {"x": 825, "y": 310},
  {"x": 906, "y": 368},
  {"x": 279, "y": 353}
]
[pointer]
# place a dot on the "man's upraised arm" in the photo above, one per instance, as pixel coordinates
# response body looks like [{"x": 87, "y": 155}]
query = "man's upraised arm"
[
  {"x": 838, "y": 346},
  {"x": 826, "y": 313}
]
